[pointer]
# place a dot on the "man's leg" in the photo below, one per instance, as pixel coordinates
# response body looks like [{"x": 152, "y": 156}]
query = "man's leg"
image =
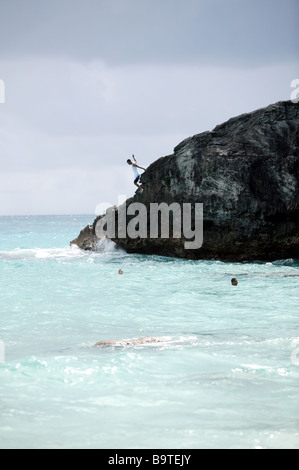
[
  {"x": 139, "y": 187},
  {"x": 137, "y": 184}
]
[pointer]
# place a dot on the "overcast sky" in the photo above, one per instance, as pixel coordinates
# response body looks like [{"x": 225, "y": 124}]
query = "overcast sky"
[{"x": 89, "y": 82}]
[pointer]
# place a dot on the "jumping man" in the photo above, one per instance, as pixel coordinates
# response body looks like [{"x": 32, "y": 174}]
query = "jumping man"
[{"x": 136, "y": 174}]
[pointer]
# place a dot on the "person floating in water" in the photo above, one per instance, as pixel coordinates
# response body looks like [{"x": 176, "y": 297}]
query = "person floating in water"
[{"x": 135, "y": 171}]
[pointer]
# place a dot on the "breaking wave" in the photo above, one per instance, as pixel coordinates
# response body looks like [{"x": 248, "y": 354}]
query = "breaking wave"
[
  {"x": 66, "y": 253},
  {"x": 105, "y": 245}
]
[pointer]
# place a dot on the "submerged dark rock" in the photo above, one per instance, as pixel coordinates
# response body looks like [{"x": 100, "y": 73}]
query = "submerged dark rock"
[
  {"x": 246, "y": 174},
  {"x": 130, "y": 342}
]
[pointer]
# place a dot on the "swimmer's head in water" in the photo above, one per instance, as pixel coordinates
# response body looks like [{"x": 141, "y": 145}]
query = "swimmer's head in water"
[{"x": 234, "y": 281}]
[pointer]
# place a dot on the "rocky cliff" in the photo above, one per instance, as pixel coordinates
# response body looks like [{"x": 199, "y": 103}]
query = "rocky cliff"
[{"x": 245, "y": 173}]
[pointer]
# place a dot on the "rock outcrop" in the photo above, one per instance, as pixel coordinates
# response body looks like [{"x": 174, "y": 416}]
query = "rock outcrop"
[{"x": 245, "y": 173}]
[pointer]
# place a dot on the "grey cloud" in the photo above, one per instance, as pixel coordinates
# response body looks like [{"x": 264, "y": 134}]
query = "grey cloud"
[
  {"x": 89, "y": 82},
  {"x": 157, "y": 31}
]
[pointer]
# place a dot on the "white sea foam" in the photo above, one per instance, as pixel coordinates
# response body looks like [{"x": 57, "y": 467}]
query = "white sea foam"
[
  {"x": 255, "y": 368},
  {"x": 43, "y": 253},
  {"x": 105, "y": 245}
]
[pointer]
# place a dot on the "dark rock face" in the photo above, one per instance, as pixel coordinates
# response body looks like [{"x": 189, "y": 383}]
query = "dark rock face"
[
  {"x": 86, "y": 239},
  {"x": 245, "y": 173}
]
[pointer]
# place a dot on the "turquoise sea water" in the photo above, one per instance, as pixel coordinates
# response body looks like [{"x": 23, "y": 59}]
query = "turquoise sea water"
[{"x": 224, "y": 374}]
